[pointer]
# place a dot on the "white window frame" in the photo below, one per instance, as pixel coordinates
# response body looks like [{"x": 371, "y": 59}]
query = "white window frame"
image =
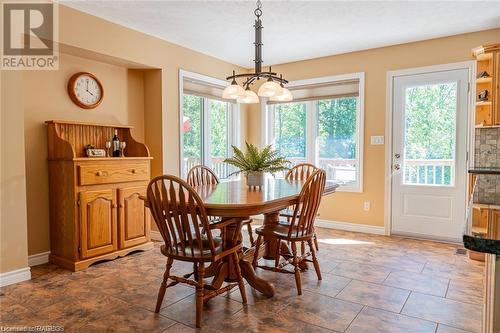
[
  {"x": 312, "y": 148},
  {"x": 233, "y": 120}
]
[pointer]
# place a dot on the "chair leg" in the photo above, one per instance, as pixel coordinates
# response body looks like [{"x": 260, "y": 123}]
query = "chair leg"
[
  {"x": 256, "y": 253},
  {"x": 250, "y": 233},
  {"x": 241, "y": 284},
  {"x": 278, "y": 254},
  {"x": 298, "y": 282},
  {"x": 315, "y": 259},
  {"x": 195, "y": 271},
  {"x": 199, "y": 294},
  {"x": 316, "y": 241},
  {"x": 163, "y": 287}
]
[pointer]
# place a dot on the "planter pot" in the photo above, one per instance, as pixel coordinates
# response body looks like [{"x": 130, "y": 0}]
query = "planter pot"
[{"x": 256, "y": 179}]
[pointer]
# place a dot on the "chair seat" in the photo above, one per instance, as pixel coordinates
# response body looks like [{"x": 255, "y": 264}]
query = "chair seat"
[
  {"x": 195, "y": 251},
  {"x": 281, "y": 231}
]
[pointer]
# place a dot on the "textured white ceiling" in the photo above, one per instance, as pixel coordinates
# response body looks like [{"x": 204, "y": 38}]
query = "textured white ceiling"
[{"x": 295, "y": 30}]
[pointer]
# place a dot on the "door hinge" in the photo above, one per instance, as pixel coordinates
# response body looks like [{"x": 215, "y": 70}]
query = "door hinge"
[
  {"x": 78, "y": 202},
  {"x": 468, "y": 87}
]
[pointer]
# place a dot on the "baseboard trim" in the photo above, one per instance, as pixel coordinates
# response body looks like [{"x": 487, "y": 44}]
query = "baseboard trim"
[
  {"x": 38, "y": 259},
  {"x": 348, "y": 226},
  {"x": 328, "y": 224},
  {"x": 16, "y": 276},
  {"x": 156, "y": 236}
]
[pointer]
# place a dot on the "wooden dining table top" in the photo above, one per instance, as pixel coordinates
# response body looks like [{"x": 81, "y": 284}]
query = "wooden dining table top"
[{"x": 235, "y": 199}]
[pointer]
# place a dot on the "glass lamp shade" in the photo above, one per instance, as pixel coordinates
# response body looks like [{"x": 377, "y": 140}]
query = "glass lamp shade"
[
  {"x": 233, "y": 91},
  {"x": 249, "y": 98},
  {"x": 285, "y": 96},
  {"x": 270, "y": 89}
]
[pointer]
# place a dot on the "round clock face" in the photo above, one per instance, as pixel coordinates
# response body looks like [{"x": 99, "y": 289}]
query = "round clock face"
[{"x": 85, "y": 90}]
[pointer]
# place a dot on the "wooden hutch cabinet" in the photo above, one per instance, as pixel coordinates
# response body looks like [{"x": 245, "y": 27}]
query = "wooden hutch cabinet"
[
  {"x": 488, "y": 60},
  {"x": 96, "y": 210}
]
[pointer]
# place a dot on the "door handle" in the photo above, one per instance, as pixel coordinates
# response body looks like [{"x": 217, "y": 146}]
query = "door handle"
[
  {"x": 397, "y": 156},
  {"x": 397, "y": 166}
]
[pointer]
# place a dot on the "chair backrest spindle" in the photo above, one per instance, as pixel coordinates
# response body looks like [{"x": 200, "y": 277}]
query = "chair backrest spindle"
[
  {"x": 202, "y": 175},
  {"x": 305, "y": 210},
  {"x": 301, "y": 171}
]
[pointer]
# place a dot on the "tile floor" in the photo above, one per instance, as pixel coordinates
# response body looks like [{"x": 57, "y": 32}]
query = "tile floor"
[{"x": 370, "y": 284}]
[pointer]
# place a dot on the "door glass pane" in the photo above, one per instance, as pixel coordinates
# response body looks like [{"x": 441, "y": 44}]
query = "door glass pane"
[
  {"x": 430, "y": 134},
  {"x": 290, "y": 131},
  {"x": 337, "y": 138},
  {"x": 219, "y": 136},
  {"x": 192, "y": 127}
]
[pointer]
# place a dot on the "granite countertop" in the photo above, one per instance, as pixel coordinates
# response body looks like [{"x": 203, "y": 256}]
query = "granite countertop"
[
  {"x": 480, "y": 244},
  {"x": 485, "y": 170}
]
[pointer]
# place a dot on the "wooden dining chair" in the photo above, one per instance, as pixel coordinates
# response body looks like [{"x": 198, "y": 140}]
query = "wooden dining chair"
[
  {"x": 180, "y": 215},
  {"x": 300, "y": 229},
  {"x": 300, "y": 171},
  {"x": 203, "y": 175}
]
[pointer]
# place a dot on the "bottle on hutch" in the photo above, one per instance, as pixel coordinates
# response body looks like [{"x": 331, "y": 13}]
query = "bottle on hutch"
[{"x": 116, "y": 145}]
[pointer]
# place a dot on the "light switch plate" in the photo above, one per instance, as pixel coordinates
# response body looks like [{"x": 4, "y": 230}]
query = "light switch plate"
[{"x": 377, "y": 139}]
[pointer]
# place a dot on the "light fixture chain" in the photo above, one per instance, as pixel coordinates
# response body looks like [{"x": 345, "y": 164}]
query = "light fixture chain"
[{"x": 258, "y": 11}]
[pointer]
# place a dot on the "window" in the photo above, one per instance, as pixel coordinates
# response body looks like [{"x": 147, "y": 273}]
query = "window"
[
  {"x": 323, "y": 126},
  {"x": 208, "y": 127},
  {"x": 430, "y": 134}
]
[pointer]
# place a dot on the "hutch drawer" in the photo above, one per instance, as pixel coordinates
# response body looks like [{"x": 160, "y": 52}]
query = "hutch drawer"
[{"x": 110, "y": 172}]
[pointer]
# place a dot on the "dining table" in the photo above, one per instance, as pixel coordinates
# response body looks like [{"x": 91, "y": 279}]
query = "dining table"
[{"x": 233, "y": 202}]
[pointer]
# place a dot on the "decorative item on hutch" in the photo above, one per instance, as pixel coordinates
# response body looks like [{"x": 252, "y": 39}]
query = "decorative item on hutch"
[{"x": 96, "y": 207}]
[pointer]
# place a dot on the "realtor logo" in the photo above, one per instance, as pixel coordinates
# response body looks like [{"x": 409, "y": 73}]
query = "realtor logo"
[{"x": 30, "y": 35}]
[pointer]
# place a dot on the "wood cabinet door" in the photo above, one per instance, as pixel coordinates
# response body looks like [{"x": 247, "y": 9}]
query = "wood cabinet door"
[
  {"x": 98, "y": 224},
  {"x": 494, "y": 224},
  {"x": 496, "y": 88},
  {"x": 134, "y": 221}
]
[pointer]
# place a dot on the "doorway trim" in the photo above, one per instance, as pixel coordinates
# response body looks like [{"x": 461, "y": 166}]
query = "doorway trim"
[{"x": 471, "y": 67}]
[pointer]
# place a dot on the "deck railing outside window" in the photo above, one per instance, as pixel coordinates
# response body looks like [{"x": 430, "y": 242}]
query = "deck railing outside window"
[{"x": 429, "y": 172}]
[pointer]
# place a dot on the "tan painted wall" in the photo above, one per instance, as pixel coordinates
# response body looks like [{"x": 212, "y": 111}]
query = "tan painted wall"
[
  {"x": 375, "y": 63},
  {"x": 13, "y": 230},
  {"x": 147, "y": 99}
]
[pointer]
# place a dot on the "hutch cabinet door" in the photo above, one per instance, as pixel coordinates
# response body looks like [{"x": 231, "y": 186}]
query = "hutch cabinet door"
[
  {"x": 133, "y": 219},
  {"x": 98, "y": 225},
  {"x": 496, "y": 88}
]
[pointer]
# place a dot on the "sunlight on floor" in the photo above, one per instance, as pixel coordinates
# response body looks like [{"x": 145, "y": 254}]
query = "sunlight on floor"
[{"x": 342, "y": 241}]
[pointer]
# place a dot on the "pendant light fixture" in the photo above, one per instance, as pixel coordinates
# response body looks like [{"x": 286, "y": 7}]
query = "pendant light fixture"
[{"x": 273, "y": 88}]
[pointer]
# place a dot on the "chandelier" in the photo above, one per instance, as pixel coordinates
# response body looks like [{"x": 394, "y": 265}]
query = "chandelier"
[{"x": 273, "y": 88}]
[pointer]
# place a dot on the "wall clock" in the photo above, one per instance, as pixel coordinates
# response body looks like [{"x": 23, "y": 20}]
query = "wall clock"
[{"x": 85, "y": 90}]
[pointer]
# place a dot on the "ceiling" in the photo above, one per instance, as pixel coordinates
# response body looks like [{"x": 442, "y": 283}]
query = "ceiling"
[{"x": 295, "y": 30}]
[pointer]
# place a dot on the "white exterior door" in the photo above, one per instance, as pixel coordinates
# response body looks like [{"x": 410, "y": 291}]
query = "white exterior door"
[{"x": 429, "y": 154}]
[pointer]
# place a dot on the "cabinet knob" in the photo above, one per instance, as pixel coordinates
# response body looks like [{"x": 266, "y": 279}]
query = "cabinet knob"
[
  {"x": 99, "y": 173},
  {"x": 133, "y": 171},
  {"x": 114, "y": 205}
]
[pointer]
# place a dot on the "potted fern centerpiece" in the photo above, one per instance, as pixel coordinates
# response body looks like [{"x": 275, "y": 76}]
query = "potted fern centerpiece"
[{"x": 254, "y": 163}]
